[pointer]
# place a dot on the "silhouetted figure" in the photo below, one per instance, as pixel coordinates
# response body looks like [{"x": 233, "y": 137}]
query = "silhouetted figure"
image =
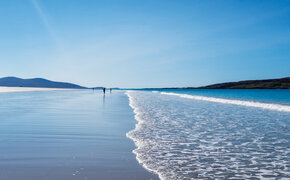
[
  {"x": 110, "y": 90},
  {"x": 104, "y": 90}
]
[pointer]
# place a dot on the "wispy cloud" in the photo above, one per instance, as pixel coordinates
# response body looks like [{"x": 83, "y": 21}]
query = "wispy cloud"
[{"x": 46, "y": 22}]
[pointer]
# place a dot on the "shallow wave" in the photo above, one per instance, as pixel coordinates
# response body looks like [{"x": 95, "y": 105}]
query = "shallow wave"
[
  {"x": 269, "y": 106},
  {"x": 178, "y": 138},
  {"x": 139, "y": 143}
]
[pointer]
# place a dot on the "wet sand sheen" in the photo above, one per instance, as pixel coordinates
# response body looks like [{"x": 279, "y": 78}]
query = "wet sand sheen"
[
  {"x": 67, "y": 135},
  {"x": 25, "y": 89}
]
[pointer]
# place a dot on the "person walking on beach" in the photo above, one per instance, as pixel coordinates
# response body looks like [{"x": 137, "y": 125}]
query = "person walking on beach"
[
  {"x": 110, "y": 90},
  {"x": 104, "y": 90}
]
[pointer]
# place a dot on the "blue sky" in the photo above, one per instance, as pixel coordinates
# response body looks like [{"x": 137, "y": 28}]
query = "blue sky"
[{"x": 158, "y": 43}]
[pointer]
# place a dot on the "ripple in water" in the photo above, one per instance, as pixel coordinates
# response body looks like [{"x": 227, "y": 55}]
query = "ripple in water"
[{"x": 181, "y": 138}]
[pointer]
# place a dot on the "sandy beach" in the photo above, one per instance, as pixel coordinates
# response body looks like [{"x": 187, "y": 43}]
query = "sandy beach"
[
  {"x": 24, "y": 89},
  {"x": 67, "y": 135}
]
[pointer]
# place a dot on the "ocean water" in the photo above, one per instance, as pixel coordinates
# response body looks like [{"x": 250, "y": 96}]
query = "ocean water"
[
  {"x": 67, "y": 135},
  {"x": 213, "y": 134}
]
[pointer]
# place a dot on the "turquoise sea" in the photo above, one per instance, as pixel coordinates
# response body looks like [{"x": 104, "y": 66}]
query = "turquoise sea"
[{"x": 213, "y": 134}]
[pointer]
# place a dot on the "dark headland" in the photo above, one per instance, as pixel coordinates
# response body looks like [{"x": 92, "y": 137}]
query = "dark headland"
[
  {"x": 36, "y": 82},
  {"x": 282, "y": 83}
]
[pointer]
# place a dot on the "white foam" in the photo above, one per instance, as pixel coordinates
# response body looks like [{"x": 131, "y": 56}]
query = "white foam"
[
  {"x": 276, "y": 107},
  {"x": 179, "y": 139},
  {"x": 139, "y": 144}
]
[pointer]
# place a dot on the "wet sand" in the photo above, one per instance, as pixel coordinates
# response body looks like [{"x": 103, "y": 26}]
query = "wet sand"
[
  {"x": 25, "y": 89},
  {"x": 67, "y": 135}
]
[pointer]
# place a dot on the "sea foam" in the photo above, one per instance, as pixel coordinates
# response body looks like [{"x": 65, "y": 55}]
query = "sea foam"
[
  {"x": 269, "y": 106},
  {"x": 178, "y": 138}
]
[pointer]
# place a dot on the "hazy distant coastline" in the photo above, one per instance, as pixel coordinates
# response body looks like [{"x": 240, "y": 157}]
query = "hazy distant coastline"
[
  {"x": 37, "y": 83},
  {"x": 282, "y": 83}
]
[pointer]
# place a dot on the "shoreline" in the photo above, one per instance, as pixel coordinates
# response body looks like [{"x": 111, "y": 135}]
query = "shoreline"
[{"x": 138, "y": 143}]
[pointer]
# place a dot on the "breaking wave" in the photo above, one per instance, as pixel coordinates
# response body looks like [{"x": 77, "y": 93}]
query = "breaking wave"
[
  {"x": 181, "y": 138},
  {"x": 269, "y": 106}
]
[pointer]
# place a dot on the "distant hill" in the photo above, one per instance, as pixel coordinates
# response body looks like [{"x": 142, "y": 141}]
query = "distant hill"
[
  {"x": 36, "y": 82},
  {"x": 283, "y": 83}
]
